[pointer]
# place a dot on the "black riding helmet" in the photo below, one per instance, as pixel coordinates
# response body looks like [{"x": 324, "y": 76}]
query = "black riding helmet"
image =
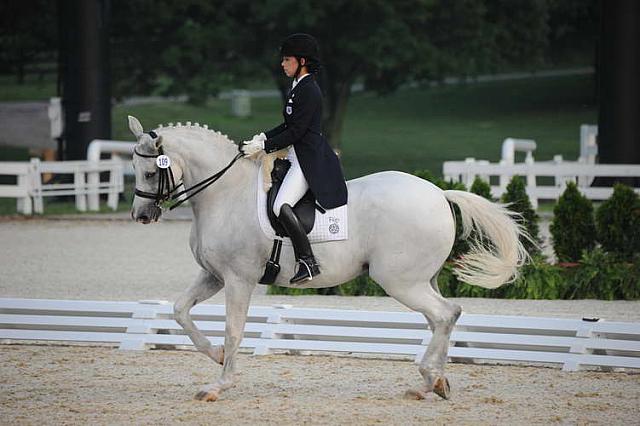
[{"x": 305, "y": 46}]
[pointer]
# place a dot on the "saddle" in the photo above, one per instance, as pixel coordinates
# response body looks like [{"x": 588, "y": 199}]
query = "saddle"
[{"x": 304, "y": 209}]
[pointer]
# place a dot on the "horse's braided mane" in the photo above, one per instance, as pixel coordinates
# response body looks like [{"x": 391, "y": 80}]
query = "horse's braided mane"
[{"x": 204, "y": 129}]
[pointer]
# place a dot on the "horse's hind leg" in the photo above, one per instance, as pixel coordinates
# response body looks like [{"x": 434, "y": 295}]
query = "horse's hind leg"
[
  {"x": 205, "y": 286},
  {"x": 442, "y": 316}
]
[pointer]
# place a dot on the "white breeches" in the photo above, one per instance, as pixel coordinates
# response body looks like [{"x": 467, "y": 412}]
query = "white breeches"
[{"x": 294, "y": 185}]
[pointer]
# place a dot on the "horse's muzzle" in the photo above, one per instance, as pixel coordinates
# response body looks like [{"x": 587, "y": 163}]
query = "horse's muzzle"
[{"x": 149, "y": 215}]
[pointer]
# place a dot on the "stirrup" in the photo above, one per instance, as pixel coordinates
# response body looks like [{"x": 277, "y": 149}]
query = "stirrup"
[{"x": 306, "y": 271}]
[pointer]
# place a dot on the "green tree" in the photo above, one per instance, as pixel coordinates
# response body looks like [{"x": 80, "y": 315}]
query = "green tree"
[
  {"x": 481, "y": 188},
  {"x": 28, "y": 35},
  {"x": 573, "y": 228},
  {"x": 518, "y": 201},
  {"x": 618, "y": 222}
]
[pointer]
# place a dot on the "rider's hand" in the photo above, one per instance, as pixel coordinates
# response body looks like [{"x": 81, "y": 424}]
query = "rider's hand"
[
  {"x": 249, "y": 148},
  {"x": 260, "y": 136}
]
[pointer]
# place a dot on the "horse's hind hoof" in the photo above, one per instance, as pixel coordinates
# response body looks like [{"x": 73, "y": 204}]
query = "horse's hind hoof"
[
  {"x": 416, "y": 394},
  {"x": 207, "y": 396},
  {"x": 441, "y": 387}
]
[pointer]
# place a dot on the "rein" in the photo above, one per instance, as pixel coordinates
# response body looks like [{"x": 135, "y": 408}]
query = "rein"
[{"x": 166, "y": 180}]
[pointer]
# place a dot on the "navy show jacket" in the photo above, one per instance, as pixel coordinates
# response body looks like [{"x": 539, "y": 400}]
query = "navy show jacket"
[{"x": 302, "y": 128}]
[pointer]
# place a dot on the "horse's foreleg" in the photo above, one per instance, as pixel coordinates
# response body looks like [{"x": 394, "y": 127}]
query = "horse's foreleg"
[
  {"x": 237, "y": 297},
  {"x": 205, "y": 286}
]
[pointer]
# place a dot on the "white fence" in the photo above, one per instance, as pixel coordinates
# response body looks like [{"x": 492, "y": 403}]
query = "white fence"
[
  {"x": 570, "y": 343},
  {"x": 544, "y": 180},
  {"x": 25, "y": 175},
  {"x": 558, "y": 171},
  {"x": 96, "y": 148},
  {"x": 30, "y": 188}
]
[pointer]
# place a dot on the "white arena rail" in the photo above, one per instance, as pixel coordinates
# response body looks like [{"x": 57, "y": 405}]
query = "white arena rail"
[
  {"x": 23, "y": 189},
  {"x": 79, "y": 186},
  {"x": 96, "y": 148},
  {"x": 559, "y": 171},
  {"x": 570, "y": 343}
]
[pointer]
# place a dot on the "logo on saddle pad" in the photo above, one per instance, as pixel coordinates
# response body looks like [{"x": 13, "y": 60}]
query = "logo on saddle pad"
[{"x": 334, "y": 228}]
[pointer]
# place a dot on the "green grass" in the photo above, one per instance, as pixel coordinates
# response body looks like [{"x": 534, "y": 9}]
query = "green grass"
[
  {"x": 33, "y": 89},
  {"x": 419, "y": 128}
]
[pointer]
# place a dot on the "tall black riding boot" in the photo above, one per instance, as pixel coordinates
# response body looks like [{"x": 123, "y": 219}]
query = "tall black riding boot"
[{"x": 307, "y": 265}]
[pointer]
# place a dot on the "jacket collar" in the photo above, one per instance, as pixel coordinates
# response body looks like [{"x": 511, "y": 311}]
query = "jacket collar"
[{"x": 302, "y": 82}]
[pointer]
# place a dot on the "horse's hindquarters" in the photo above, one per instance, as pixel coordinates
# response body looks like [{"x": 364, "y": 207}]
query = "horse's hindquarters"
[{"x": 405, "y": 225}]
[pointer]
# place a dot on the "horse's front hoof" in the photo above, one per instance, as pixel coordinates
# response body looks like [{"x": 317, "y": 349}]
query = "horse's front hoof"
[
  {"x": 441, "y": 387},
  {"x": 207, "y": 396}
]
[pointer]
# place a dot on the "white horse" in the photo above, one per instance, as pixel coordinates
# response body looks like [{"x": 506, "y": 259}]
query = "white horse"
[{"x": 401, "y": 231}]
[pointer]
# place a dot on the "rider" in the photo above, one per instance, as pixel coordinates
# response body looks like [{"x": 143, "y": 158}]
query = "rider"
[{"x": 314, "y": 165}]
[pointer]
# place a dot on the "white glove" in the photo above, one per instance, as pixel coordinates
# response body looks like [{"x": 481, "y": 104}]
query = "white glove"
[
  {"x": 252, "y": 147},
  {"x": 260, "y": 136}
]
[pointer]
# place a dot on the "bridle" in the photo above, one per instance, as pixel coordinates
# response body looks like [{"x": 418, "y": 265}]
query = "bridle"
[{"x": 166, "y": 182}]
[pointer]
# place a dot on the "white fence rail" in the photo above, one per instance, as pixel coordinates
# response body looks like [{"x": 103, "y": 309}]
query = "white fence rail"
[
  {"x": 30, "y": 188},
  {"x": 23, "y": 189},
  {"x": 560, "y": 173},
  {"x": 96, "y": 148},
  {"x": 544, "y": 180},
  {"x": 570, "y": 343}
]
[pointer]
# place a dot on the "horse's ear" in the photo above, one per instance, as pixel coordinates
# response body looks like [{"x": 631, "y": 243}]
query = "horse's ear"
[
  {"x": 158, "y": 142},
  {"x": 135, "y": 127}
]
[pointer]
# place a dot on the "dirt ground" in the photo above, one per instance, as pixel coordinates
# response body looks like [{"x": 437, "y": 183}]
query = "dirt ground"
[{"x": 99, "y": 385}]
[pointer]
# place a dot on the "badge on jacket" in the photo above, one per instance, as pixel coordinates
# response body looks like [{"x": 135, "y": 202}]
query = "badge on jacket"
[{"x": 289, "y": 109}]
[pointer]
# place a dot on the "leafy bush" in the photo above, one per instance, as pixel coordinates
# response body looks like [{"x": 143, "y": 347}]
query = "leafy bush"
[
  {"x": 518, "y": 200},
  {"x": 618, "y": 222},
  {"x": 481, "y": 188},
  {"x": 538, "y": 280},
  {"x": 573, "y": 228},
  {"x": 603, "y": 275}
]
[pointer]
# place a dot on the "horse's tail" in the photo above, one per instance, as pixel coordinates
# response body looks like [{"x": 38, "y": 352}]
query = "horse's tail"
[{"x": 497, "y": 251}]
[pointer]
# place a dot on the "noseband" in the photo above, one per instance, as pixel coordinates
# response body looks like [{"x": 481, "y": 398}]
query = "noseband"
[{"x": 167, "y": 185}]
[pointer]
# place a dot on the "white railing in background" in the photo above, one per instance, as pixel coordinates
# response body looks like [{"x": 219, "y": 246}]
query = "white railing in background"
[
  {"x": 570, "y": 343},
  {"x": 511, "y": 145},
  {"x": 559, "y": 171},
  {"x": 95, "y": 150},
  {"x": 80, "y": 186},
  {"x": 545, "y": 180},
  {"x": 25, "y": 176},
  {"x": 30, "y": 188}
]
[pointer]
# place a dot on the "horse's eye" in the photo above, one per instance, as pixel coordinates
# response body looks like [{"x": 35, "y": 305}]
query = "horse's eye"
[{"x": 149, "y": 175}]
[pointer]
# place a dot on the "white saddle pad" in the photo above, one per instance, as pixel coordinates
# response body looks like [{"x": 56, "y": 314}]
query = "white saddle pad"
[{"x": 330, "y": 226}]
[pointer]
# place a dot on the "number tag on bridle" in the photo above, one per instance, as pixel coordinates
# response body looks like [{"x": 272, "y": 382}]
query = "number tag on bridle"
[{"x": 163, "y": 161}]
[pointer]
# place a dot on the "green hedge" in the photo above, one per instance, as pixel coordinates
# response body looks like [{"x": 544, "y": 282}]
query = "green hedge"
[
  {"x": 598, "y": 275},
  {"x": 573, "y": 227}
]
